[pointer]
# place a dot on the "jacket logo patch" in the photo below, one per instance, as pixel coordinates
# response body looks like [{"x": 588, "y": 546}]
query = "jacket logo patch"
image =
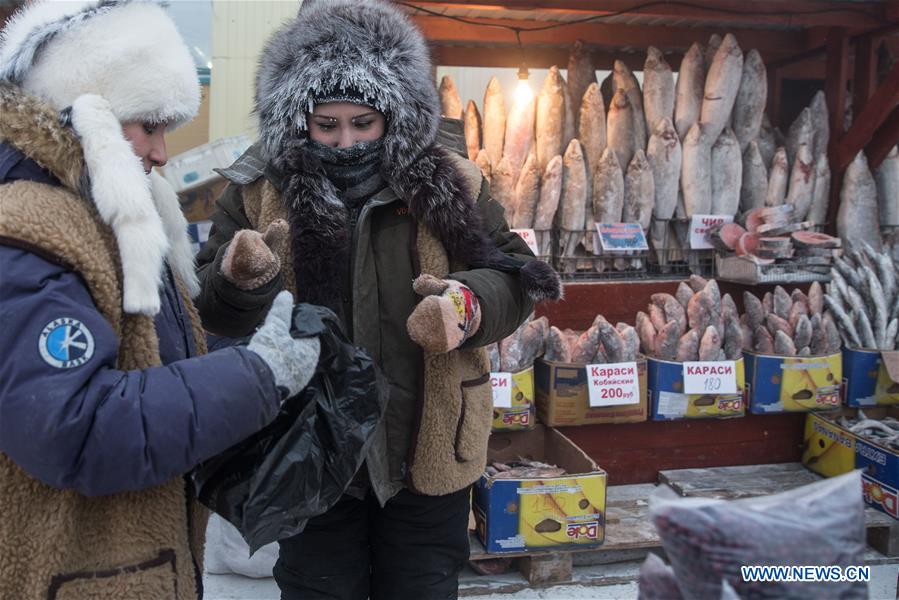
[{"x": 65, "y": 343}]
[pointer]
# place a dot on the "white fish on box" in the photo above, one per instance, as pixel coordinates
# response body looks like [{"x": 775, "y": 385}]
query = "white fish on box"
[
  {"x": 754, "y": 183},
  {"x": 472, "y": 125},
  {"x": 800, "y": 132},
  {"x": 592, "y": 122},
  {"x": 608, "y": 189},
  {"x": 802, "y": 183},
  {"x": 696, "y": 176},
  {"x": 727, "y": 174},
  {"x": 817, "y": 214},
  {"x": 527, "y": 194},
  {"x": 767, "y": 143},
  {"x": 482, "y": 160},
  {"x": 665, "y": 157},
  {"x": 858, "y": 218},
  {"x": 519, "y": 134},
  {"x": 711, "y": 49},
  {"x": 888, "y": 189},
  {"x": 820, "y": 125},
  {"x": 450, "y": 103},
  {"x": 689, "y": 90},
  {"x": 749, "y": 105},
  {"x": 569, "y": 127},
  {"x": 502, "y": 187},
  {"x": 550, "y": 193},
  {"x": 778, "y": 178},
  {"x": 573, "y": 201},
  {"x": 494, "y": 121},
  {"x": 620, "y": 129},
  {"x": 639, "y": 195},
  {"x": 721, "y": 86},
  {"x": 658, "y": 89},
  {"x": 550, "y": 118},
  {"x": 623, "y": 79}
]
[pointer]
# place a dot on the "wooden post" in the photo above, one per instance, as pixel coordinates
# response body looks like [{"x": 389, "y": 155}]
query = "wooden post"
[
  {"x": 775, "y": 91},
  {"x": 883, "y": 141},
  {"x": 865, "y": 80},
  {"x": 868, "y": 122},
  {"x": 835, "y": 92}
]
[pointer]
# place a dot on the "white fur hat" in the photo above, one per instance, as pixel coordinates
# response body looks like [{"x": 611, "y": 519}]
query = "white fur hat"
[{"x": 127, "y": 51}]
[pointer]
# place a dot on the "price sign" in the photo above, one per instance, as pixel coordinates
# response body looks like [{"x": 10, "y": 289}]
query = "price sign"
[
  {"x": 501, "y": 383},
  {"x": 621, "y": 237},
  {"x": 699, "y": 229},
  {"x": 613, "y": 384},
  {"x": 530, "y": 239},
  {"x": 708, "y": 377}
]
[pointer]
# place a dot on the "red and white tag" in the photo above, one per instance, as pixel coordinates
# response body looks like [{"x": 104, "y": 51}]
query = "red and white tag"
[
  {"x": 710, "y": 377},
  {"x": 613, "y": 384},
  {"x": 529, "y": 237}
]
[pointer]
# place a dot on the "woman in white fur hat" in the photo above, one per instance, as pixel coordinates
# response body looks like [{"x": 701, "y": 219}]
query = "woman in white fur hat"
[{"x": 105, "y": 399}]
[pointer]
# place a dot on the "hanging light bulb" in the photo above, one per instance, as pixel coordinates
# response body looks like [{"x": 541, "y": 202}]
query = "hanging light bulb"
[{"x": 523, "y": 92}]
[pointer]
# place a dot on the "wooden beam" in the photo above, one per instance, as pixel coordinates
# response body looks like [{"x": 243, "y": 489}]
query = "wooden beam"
[
  {"x": 835, "y": 92},
  {"x": 886, "y": 137},
  {"x": 868, "y": 120},
  {"x": 775, "y": 91},
  {"x": 796, "y": 13},
  {"x": 537, "y": 58},
  {"x": 491, "y": 32},
  {"x": 865, "y": 80},
  {"x": 816, "y": 42}
]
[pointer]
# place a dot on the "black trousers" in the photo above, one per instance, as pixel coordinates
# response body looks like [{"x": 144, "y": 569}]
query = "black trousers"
[{"x": 412, "y": 548}]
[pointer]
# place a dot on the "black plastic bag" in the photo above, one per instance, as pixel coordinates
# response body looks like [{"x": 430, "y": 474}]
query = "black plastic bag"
[{"x": 298, "y": 466}]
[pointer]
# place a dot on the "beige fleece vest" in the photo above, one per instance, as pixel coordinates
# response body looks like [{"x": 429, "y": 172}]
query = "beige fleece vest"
[
  {"x": 449, "y": 446},
  {"x": 58, "y": 543}
]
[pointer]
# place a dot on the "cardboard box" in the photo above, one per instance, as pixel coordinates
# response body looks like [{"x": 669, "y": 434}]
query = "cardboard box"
[
  {"x": 778, "y": 384},
  {"x": 828, "y": 449},
  {"x": 867, "y": 380},
  {"x": 522, "y": 415},
  {"x": 669, "y": 402},
  {"x": 879, "y": 463},
  {"x": 194, "y": 168},
  {"x": 198, "y": 204},
  {"x": 563, "y": 398},
  {"x": 516, "y": 515}
]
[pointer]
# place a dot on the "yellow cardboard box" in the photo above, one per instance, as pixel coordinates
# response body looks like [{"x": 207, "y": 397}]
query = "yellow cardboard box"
[{"x": 522, "y": 415}]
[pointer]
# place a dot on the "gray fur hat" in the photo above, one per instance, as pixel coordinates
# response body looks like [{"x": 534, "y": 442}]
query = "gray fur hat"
[{"x": 367, "y": 46}]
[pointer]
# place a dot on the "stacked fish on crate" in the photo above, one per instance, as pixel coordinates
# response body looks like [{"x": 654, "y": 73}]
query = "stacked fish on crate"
[
  {"x": 793, "y": 360},
  {"x": 512, "y": 365},
  {"x": 600, "y": 344},
  {"x": 869, "y": 204}
]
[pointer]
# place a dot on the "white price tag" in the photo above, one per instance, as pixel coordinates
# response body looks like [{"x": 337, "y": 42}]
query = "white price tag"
[
  {"x": 530, "y": 239},
  {"x": 501, "y": 384},
  {"x": 613, "y": 384},
  {"x": 699, "y": 229},
  {"x": 710, "y": 377}
]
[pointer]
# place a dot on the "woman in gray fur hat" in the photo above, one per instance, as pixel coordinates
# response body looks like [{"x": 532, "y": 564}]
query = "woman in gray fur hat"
[{"x": 397, "y": 235}]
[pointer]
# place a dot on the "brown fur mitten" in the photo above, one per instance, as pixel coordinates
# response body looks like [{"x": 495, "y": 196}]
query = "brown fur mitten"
[
  {"x": 251, "y": 259},
  {"x": 447, "y": 315}
]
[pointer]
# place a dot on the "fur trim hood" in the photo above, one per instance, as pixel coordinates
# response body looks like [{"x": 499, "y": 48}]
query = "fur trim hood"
[
  {"x": 127, "y": 51},
  {"x": 142, "y": 210},
  {"x": 364, "y": 45}
]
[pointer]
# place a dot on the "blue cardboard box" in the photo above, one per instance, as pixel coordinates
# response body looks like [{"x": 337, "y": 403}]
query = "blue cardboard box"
[
  {"x": 520, "y": 515},
  {"x": 669, "y": 402},
  {"x": 779, "y": 384},
  {"x": 867, "y": 380}
]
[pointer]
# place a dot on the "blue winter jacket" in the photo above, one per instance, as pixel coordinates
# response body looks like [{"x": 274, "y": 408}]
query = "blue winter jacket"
[{"x": 72, "y": 420}]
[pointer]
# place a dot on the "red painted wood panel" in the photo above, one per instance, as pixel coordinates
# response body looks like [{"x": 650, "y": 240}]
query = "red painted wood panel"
[{"x": 636, "y": 452}]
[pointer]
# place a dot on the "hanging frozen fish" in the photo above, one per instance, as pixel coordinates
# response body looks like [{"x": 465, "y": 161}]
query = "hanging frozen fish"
[
  {"x": 727, "y": 174},
  {"x": 550, "y": 118},
  {"x": 664, "y": 156},
  {"x": 817, "y": 214},
  {"x": 502, "y": 187},
  {"x": 711, "y": 49},
  {"x": 592, "y": 132},
  {"x": 658, "y": 89},
  {"x": 450, "y": 103},
  {"x": 608, "y": 189},
  {"x": 519, "y": 133},
  {"x": 689, "y": 90},
  {"x": 696, "y": 176},
  {"x": 620, "y": 131},
  {"x": 573, "y": 201},
  {"x": 777, "y": 179},
  {"x": 721, "y": 86},
  {"x": 472, "y": 123},
  {"x": 858, "y": 218},
  {"x": 754, "y": 183},
  {"x": 820, "y": 125},
  {"x": 482, "y": 160},
  {"x": 888, "y": 189},
  {"x": 623, "y": 79},
  {"x": 639, "y": 192},
  {"x": 581, "y": 74},
  {"x": 569, "y": 127},
  {"x": 767, "y": 142},
  {"x": 527, "y": 194},
  {"x": 749, "y": 106},
  {"x": 800, "y": 132},
  {"x": 802, "y": 183},
  {"x": 494, "y": 121},
  {"x": 550, "y": 192}
]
